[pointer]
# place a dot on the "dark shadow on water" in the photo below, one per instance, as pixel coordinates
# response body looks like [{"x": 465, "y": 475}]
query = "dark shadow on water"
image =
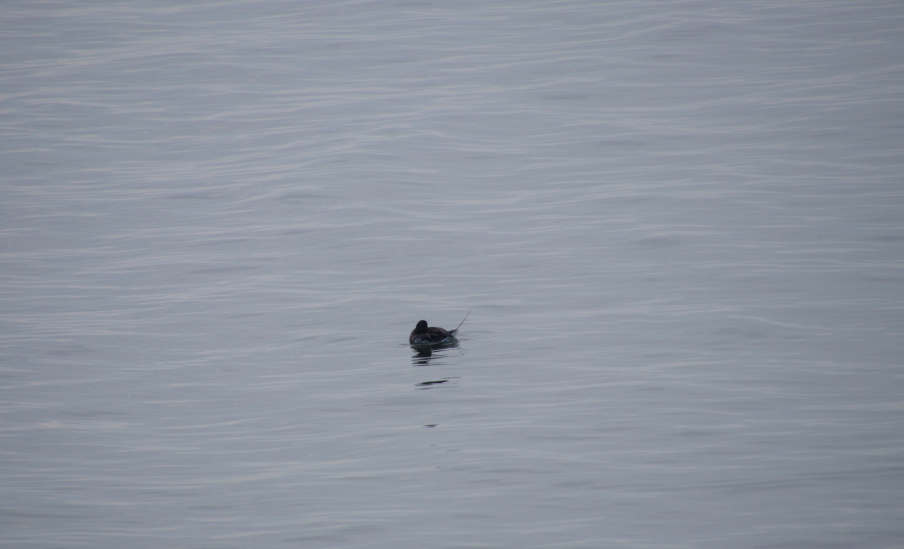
[
  {"x": 425, "y": 354},
  {"x": 428, "y": 383},
  {"x": 434, "y": 384}
]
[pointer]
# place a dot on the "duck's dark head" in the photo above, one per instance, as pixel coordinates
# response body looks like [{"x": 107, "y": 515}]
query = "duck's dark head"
[{"x": 421, "y": 327}]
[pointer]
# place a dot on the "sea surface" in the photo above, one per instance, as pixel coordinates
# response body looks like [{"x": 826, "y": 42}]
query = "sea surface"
[{"x": 677, "y": 228}]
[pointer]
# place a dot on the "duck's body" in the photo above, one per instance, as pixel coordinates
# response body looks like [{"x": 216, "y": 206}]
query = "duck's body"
[{"x": 422, "y": 334}]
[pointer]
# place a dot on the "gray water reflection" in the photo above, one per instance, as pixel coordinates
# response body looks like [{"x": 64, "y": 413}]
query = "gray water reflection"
[
  {"x": 679, "y": 225},
  {"x": 437, "y": 353}
]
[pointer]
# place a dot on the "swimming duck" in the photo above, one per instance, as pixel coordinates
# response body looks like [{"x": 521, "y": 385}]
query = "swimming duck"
[{"x": 422, "y": 334}]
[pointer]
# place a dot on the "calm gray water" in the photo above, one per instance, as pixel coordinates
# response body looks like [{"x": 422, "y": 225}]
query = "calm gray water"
[{"x": 678, "y": 226}]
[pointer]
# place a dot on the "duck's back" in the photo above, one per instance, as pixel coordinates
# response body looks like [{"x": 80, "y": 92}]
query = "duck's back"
[{"x": 432, "y": 335}]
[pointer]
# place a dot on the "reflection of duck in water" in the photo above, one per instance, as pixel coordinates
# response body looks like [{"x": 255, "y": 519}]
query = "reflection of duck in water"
[{"x": 423, "y": 335}]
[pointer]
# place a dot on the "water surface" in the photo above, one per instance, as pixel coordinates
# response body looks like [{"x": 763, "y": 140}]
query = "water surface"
[{"x": 678, "y": 226}]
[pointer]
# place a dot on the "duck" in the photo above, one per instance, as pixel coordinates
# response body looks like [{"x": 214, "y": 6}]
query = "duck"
[{"x": 422, "y": 334}]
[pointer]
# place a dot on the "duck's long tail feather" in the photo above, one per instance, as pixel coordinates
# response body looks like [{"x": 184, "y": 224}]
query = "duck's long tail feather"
[{"x": 462, "y": 322}]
